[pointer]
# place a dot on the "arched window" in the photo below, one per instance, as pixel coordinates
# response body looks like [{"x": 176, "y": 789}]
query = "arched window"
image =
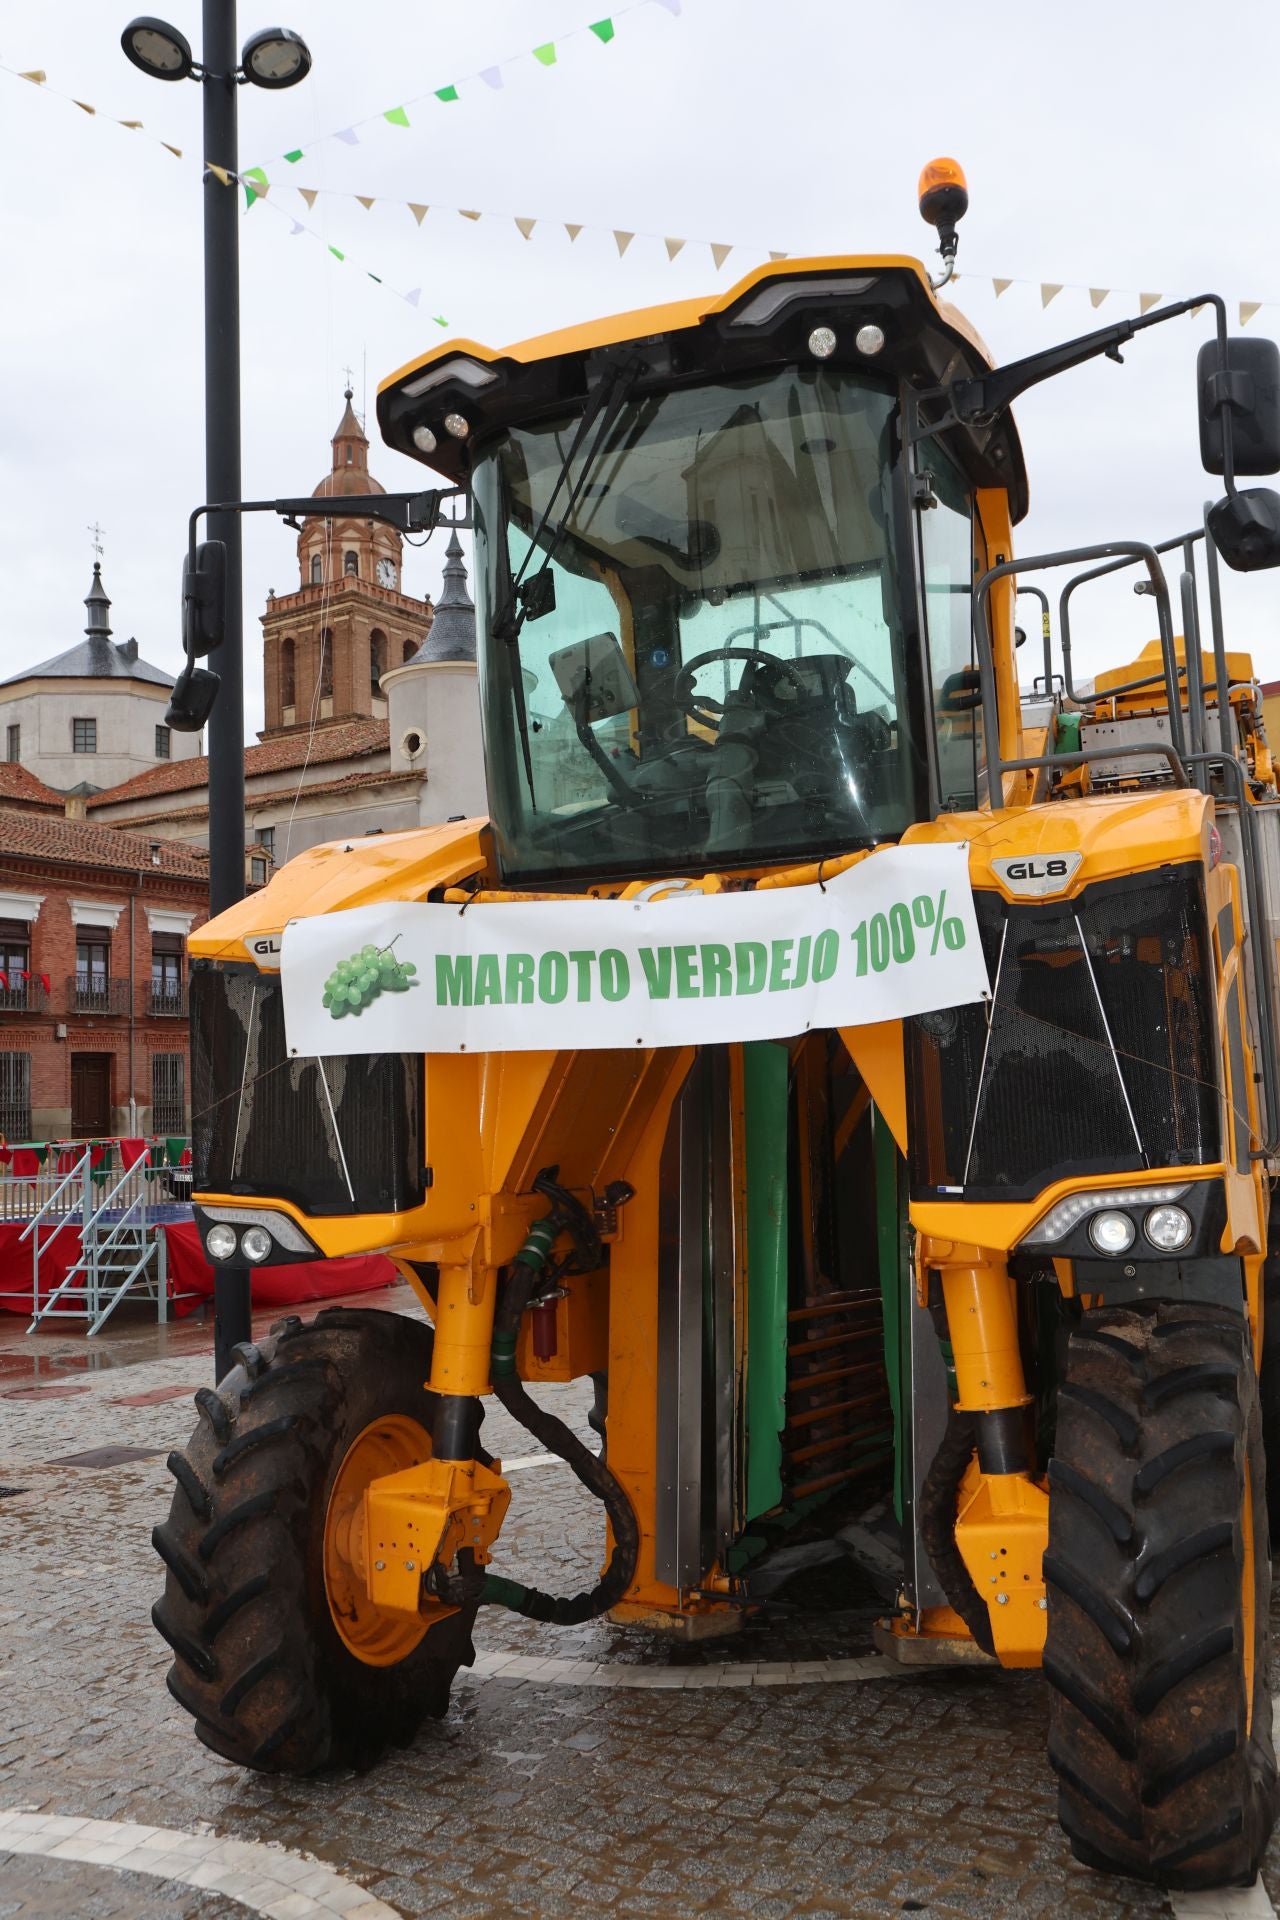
[
  {"x": 351, "y": 562},
  {"x": 377, "y": 659},
  {"x": 288, "y": 674},
  {"x": 326, "y": 663},
  {"x": 317, "y": 569},
  {"x": 410, "y": 648}
]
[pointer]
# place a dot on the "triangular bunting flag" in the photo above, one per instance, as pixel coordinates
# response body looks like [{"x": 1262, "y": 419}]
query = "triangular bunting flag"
[
  {"x": 37, "y": 76},
  {"x": 348, "y": 136},
  {"x": 135, "y": 126},
  {"x": 175, "y": 151},
  {"x": 255, "y": 184},
  {"x": 1097, "y": 295},
  {"x": 310, "y": 194},
  {"x": 419, "y": 213},
  {"x": 673, "y": 247},
  {"x": 337, "y": 254},
  {"x": 492, "y": 76},
  {"x": 413, "y": 296},
  {"x": 446, "y": 94},
  {"x": 1146, "y": 301},
  {"x": 623, "y": 241},
  {"x": 84, "y": 106},
  {"x": 1049, "y": 291},
  {"x": 571, "y": 230},
  {"x": 719, "y": 253},
  {"x": 1001, "y": 286},
  {"x": 1199, "y": 309},
  {"x": 546, "y": 55},
  {"x": 366, "y": 201},
  {"x": 439, "y": 319},
  {"x": 373, "y": 276},
  {"x": 469, "y": 213},
  {"x": 1247, "y": 310},
  {"x": 296, "y": 227},
  {"x": 777, "y": 256},
  {"x": 220, "y": 174},
  {"x": 603, "y": 31},
  {"x": 294, "y": 157},
  {"x": 396, "y": 117},
  {"x": 526, "y": 226}
]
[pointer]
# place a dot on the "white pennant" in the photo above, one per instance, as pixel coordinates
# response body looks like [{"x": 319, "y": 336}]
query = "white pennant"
[
  {"x": 673, "y": 247},
  {"x": 1247, "y": 310},
  {"x": 622, "y": 240},
  {"x": 571, "y": 230},
  {"x": 310, "y": 194},
  {"x": 1048, "y": 291},
  {"x": 419, "y": 213},
  {"x": 719, "y": 253},
  {"x": 366, "y": 201},
  {"x": 1001, "y": 286},
  {"x": 526, "y": 226},
  {"x": 1146, "y": 301},
  {"x": 1097, "y": 295}
]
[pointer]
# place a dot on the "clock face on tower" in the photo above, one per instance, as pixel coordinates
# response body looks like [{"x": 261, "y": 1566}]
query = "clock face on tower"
[{"x": 386, "y": 571}]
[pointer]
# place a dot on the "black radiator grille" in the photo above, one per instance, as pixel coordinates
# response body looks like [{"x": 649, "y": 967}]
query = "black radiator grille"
[
  {"x": 265, "y": 1125},
  {"x": 1043, "y": 1096}
]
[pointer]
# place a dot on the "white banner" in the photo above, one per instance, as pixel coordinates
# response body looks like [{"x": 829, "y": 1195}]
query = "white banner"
[{"x": 894, "y": 935}]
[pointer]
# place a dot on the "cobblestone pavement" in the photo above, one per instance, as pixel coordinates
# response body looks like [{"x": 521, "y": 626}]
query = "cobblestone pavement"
[{"x": 537, "y": 1796}]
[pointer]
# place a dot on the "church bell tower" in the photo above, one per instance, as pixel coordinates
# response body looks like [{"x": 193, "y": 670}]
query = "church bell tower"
[{"x": 327, "y": 644}]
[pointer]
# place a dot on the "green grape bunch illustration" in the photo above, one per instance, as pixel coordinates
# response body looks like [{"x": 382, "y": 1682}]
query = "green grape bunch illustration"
[{"x": 356, "y": 983}]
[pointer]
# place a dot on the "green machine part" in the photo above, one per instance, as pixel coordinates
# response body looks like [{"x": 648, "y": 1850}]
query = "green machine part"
[
  {"x": 765, "y": 1073},
  {"x": 893, "y": 1244}
]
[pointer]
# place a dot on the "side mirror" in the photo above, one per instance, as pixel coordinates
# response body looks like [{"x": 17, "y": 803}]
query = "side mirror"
[
  {"x": 204, "y": 598},
  {"x": 1246, "y": 529},
  {"x": 594, "y": 678},
  {"x": 191, "y": 701},
  {"x": 1250, "y": 388}
]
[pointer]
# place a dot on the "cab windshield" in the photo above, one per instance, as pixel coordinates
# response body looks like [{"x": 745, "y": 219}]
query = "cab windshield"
[{"x": 710, "y": 669}]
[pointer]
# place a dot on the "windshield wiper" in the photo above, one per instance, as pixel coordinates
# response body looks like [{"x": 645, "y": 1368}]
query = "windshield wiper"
[{"x": 603, "y": 405}]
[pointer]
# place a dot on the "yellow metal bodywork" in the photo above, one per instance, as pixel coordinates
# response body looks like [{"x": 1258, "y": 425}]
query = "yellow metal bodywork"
[{"x": 424, "y": 1514}]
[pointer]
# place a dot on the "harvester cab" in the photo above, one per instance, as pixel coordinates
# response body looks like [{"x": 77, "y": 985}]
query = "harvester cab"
[{"x": 746, "y": 607}]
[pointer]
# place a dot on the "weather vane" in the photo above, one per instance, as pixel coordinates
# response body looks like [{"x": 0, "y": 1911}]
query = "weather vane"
[
  {"x": 350, "y": 378},
  {"x": 97, "y": 533}
]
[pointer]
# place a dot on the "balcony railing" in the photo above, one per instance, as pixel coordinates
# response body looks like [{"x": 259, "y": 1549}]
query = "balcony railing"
[
  {"x": 23, "y": 996},
  {"x": 167, "y": 997},
  {"x": 95, "y": 993}
]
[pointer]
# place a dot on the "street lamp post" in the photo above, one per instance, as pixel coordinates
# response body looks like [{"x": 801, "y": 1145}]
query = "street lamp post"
[{"x": 273, "y": 58}]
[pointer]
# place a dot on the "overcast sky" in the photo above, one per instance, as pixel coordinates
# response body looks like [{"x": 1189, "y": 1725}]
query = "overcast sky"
[{"x": 1095, "y": 155}]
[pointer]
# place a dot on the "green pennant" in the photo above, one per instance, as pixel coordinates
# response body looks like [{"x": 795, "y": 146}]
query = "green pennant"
[
  {"x": 546, "y": 55},
  {"x": 396, "y": 116},
  {"x": 336, "y": 254},
  {"x": 258, "y": 191},
  {"x": 439, "y": 319},
  {"x": 446, "y": 94},
  {"x": 603, "y": 31},
  {"x": 295, "y": 156}
]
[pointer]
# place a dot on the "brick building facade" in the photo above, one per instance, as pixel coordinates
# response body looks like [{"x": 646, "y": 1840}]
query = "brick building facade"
[{"x": 93, "y": 973}]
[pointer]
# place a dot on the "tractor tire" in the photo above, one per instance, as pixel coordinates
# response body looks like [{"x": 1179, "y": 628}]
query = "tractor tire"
[
  {"x": 261, "y": 1662},
  {"x": 1269, "y": 1383},
  {"x": 1159, "y": 1584}
]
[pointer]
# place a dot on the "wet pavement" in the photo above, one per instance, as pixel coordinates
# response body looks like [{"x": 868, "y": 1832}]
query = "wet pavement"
[{"x": 593, "y": 1771}]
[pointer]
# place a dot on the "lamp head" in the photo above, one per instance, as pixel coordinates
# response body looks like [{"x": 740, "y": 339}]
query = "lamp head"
[
  {"x": 157, "y": 48},
  {"x": 275, "y": 58}
]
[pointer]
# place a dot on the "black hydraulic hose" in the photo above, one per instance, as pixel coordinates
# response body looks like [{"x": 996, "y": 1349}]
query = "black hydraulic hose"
[
  {"x": 938, "y": 1526},
  {"x": 522, "y": 1280}
]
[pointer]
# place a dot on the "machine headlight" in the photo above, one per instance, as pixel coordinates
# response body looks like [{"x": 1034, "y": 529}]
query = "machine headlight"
[
  {"x": 1168, "y": 1228},
  {"x": 1060, "y": 1219},
  {"x": 822, "y": 343},
  {"x": 221, "y": 1242},
  {"x": 1112, "y": 1231},
  {"x": 256, "y": 1245}
]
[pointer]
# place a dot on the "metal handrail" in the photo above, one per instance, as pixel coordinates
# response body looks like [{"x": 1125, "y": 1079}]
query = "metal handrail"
[{"x": 80, "y": 1169}]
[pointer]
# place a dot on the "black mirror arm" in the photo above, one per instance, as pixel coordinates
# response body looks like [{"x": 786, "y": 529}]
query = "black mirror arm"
[
  {"x": 974, "y": 402},
  {"x": 406, "y": 512}
]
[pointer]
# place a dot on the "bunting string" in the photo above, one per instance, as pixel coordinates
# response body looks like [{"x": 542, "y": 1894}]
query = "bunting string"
[
  {"x": 492, "y": 77},
  {"x": 256, "y": 185}
]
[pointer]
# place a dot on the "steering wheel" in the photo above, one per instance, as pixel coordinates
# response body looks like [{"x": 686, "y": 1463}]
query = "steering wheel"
[{"x": 703, "y": 708}]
